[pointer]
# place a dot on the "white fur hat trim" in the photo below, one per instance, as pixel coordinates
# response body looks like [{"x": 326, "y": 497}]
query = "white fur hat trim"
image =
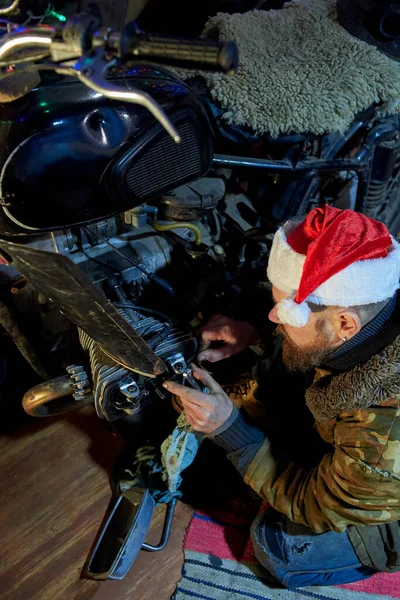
[{"x": 291, "y": 313}]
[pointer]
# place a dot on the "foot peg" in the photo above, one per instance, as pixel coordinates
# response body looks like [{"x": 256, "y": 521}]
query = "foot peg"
[{"x": 124, "y": 534}]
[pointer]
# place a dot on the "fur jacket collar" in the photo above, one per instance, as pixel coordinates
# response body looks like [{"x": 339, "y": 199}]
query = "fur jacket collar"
[{"x": 365, "y": 386}]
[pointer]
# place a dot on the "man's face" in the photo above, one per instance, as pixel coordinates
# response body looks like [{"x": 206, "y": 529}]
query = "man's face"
[{"x": 304, "y": 347}]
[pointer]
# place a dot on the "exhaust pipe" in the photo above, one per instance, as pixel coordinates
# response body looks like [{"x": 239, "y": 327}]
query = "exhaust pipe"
[{"x": 52, "y": 397}]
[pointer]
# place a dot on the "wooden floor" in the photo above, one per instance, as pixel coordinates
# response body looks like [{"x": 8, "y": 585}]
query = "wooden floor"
[{"x": 54, "y": 494}]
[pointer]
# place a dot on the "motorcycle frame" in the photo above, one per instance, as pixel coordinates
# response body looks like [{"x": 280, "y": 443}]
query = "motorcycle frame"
[{"x": 309, "y": 168}]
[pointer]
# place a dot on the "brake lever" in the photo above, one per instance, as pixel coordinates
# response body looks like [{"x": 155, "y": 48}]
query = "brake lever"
[{"x": 92, "y": 70}]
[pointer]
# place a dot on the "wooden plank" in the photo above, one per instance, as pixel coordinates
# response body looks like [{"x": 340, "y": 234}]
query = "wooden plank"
[{"x": 54, "y": 494}]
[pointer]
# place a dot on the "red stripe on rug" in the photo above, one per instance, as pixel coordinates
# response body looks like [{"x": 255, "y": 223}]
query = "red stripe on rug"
[
  {"x": 238, "y": 511},
  {"x": 385, "y": 584},
  {"x": 225, "y": 541}
]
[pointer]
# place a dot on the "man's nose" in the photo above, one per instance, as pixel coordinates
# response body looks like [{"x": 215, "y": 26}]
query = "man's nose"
[{"x": 273, "y": 316}]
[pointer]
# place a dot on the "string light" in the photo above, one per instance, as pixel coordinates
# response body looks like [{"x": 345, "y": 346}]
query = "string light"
[{"x": 57, "y": 15}]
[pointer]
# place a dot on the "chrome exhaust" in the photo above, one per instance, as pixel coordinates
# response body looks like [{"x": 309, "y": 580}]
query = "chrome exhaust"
[{"x": 53, "y": 397}]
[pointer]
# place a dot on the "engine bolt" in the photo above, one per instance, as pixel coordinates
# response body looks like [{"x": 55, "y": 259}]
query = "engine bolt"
[
  {"x": 131, "y": 389},
  {"x": 178, "y": 366}
]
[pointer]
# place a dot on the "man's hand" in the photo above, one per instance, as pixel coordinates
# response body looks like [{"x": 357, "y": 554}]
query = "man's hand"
[
  {"x": 234, "y": 337},
  {"x": 205, "y": 412}
]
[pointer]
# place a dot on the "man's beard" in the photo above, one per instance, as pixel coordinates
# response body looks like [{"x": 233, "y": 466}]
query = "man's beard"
[{"x": 303, "y": 359}]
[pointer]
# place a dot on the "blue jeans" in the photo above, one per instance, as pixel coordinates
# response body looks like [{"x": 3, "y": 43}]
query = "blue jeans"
[{"x": 297, "y": 557}]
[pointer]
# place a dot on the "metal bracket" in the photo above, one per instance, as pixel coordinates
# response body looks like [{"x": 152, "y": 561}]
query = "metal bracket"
[{"x": 124, "y": 534}]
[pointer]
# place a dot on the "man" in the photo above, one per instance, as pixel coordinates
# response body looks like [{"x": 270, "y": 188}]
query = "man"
[{"x": 335, "y": 277}]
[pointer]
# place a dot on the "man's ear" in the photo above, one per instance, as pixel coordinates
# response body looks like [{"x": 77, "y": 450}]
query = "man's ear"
[{"x": 346, "y": 323}]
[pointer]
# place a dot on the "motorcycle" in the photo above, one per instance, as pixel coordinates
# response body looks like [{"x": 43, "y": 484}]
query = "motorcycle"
[{"x": 130, "y": 213}]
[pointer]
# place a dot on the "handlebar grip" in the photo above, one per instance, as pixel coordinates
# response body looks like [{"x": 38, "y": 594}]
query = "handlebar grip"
[{"x": 204, "y": 54}]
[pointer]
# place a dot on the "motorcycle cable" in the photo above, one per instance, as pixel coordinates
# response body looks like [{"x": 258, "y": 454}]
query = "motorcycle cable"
[
  {"x": 157, "y": 280},
  {"x": 151, "y": 311},
  {"x": 155, "y": 313}
]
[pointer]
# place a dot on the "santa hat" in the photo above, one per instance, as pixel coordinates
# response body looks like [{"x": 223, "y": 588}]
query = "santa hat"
[{"x": 334, "y": 258}]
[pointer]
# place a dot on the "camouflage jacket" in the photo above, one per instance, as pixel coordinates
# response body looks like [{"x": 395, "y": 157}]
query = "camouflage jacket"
[{"x": 357, "y": 484}]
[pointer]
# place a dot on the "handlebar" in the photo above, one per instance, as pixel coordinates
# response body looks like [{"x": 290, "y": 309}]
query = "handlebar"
[
  {"x": 85, "y": 49},
  {"x": 206, "y": 54},
  {"x": 197, "y": 54}
]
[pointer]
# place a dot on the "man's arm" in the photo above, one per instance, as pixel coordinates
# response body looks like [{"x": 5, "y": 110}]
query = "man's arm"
[{"x": 348, "y": 487}]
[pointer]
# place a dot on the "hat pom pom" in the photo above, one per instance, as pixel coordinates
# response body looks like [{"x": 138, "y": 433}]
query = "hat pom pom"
[{"x": 291, "y": 313}]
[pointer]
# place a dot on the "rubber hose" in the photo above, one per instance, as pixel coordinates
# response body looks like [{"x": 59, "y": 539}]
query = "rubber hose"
[{"x": 169, "y": 226}]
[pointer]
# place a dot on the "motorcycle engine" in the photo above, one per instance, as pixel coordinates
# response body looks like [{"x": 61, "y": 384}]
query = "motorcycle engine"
[
  {"x": 159, "y": 264},
  {"x": 166, "y": 267}
]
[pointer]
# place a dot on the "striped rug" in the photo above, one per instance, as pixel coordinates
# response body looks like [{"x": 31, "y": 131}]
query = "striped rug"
[{"x": 220, "y": 564}]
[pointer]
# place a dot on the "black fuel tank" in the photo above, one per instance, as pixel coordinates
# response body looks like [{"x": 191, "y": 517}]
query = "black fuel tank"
[{"x": 69, "y": 156}]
